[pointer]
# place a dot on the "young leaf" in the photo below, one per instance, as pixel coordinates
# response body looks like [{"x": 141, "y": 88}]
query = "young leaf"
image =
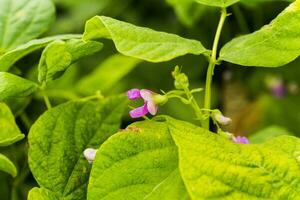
[
  {"x": 23, "y": 20},
  {"x": 273, "y": 45},
  {"x": 9, "y": 131},
  {"x": 213, "y": 167},
  {"x": 59, "y": 137},
  {"x": 105, "y": 76},
  {"x": 59, "y": 55},
  {"x": 140, "y": 42},
  {"x": 7, "y": 166},
  {"x": 268, "y": 133},
  {"x": 139, "y": 162},
  {"x": 41, "y": 194},
  {"x": 15, "y": 86},
  {"x": 217, "y": 3},
  {"x": 9, "y": 58}
]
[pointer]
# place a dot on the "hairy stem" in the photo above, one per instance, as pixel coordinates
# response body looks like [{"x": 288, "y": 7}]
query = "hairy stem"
[{"x": 212, "y": 64}]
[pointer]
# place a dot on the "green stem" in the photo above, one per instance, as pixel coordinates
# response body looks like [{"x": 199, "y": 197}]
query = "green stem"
[
  {"x": 212, "y": 64},
  {"x": 194, "y": 104},
  {"x": 46, "y": 99},
  {"x": 45, "y": 96}
]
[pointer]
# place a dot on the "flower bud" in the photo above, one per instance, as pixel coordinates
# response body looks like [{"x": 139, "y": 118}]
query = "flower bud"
[
  {"x": 221, "y": 119},
  {"x": 181, "y": 80},
  {"x": 90, "y": 154}
]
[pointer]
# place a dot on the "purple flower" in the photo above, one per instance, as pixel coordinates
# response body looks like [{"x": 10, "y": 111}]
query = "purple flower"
[
  {"x": 241, "y": 140},
  {"x": 149, "y": 104}
]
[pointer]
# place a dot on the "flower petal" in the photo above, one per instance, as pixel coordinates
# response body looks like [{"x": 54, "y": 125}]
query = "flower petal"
[
  {"x": 241, "y": 140},
  {"x": 147, "y": 95},
  {"x": 152, "y": 107},
  {"x": 133, "y": 94},
  {"x": 139, "y": 112}
]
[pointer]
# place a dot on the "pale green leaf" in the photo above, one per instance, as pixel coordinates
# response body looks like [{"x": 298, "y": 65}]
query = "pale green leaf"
[
  {"x": 139, "y": 162},
  {"x": 217, "y": 3},
  {"x": 23, "y": 20},
  {"x": 7, "y": 166},
  {"x": 268, "y": 133},
  {"x": 41, "y": 194},
  {"x": 107, "y": 74},
  {"x": 59, "y": 137},
  {"x": 188, "y": 11},
  {"x": 213, "y": 167},
  {"x": 273, "y": 45},
  {"x": 59, "y": 55},
  {"x": 15, "y": 86},
  {"x": 9, "y": 131},
  {"x": 140, "y": 42},
  {"x": 12, "y": 56}
]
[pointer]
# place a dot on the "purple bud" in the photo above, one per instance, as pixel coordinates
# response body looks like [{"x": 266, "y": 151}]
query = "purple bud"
[{"x": 90, "y": 154}]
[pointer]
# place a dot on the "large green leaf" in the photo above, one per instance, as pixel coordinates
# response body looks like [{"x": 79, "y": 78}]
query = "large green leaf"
[
  {"x": 15, "y": 86},
  {"x": 59, "y": 55},
  {"x": 107, "y": 74},
  {"x": 188, "y": 11},
  {"x": 9, "y": 131},
  {"x": 139, "y": 162},
  {"x": 23, "y": 20},
  {"x": 273, "y": 45},
  {"x": 7, "y": 166},
  {"x": 139, "y": 42},
  {"x": 59, "y": 137},
  {"x": 213, "y": 167},
  {"x": 217, "y": 3},
  {"x": 12, "y": 56}
]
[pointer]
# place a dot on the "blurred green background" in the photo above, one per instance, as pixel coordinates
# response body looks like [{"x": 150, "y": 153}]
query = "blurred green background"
[{"x": 255, "y": 98}]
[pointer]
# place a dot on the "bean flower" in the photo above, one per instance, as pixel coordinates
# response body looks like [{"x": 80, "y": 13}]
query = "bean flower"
[
  {"x": 151, "y": 102},
  {"x": 241, "y": 140}
]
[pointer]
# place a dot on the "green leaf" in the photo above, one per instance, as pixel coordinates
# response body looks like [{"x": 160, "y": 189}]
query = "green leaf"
[
  {"x": 140, "y": 42},
  {"x": 7, "y": 166},
  {"x": 107, "y": 74},
  {"x": 59, "y": 55},
  {"x": 41, "y": 194},
  {"x": 59, "y": 137},
  {"x": 139, "y": 162},
  {"x": 268, "y": 133},
  {"x": 213, "y": 167},
  {"x": 15, "y": 86},
  {"x": 9, "y": 131},
  {"x": 217, "y": 3},
  {"x": 12, "y": 56},
  {"x": 23, "y": 20},
  {"x": 188, "y": 11},
  {"x": 273, "y": 45}
]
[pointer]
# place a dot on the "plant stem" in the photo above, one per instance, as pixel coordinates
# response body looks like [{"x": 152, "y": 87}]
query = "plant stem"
[
  {"x": 46, "y": 99},
  {"x": 45, "y": 96},
  {"x": 212, "y": 64}
]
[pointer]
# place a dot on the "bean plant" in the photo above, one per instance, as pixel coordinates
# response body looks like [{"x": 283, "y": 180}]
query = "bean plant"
[{"x": 76, "y": 148}]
